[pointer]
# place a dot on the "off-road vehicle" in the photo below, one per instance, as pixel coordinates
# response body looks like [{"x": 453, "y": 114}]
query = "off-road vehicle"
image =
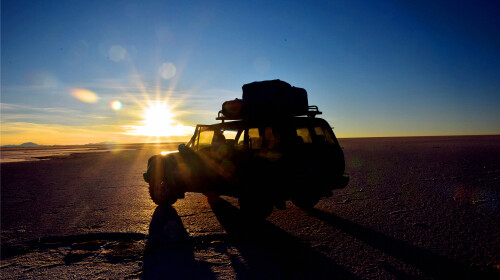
[{"x": 262, "y": 152}]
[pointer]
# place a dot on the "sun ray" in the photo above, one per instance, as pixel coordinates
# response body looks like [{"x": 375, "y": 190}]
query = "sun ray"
[{"x": 156, "y": 109}]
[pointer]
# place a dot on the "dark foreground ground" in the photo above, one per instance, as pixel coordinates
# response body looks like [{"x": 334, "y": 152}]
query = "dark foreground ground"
[{"x": 415, "y": 208}]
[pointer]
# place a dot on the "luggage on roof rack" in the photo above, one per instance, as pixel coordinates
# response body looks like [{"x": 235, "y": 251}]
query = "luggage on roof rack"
[
  {"x": 268, "y": 99},
  {"x": 274, "y": 98},
  {"x": 232, "y": 108}
]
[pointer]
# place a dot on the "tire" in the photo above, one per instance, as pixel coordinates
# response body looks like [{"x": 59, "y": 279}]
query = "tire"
[
  {"x": 160, "y": 195},
  {"x": 160, "y": 187},
  {"x": 255, "y": 207},
  {"x": 305, "y": 202}
]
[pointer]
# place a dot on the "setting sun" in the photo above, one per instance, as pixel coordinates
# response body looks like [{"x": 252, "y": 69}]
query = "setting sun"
[
  {"x": 157, "y": 116},
  {"x": 158, "y": 120}
]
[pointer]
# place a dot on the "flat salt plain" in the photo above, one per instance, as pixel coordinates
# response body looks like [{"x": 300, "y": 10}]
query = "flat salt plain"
[{"x": 416, "y": 207}]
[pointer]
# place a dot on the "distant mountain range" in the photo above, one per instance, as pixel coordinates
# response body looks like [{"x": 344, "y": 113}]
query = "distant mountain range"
[
  {"x": 107, "y": 143},
  {"x": 31, "y": 145},
  {"x": 102, "y": 143},
  {"x": 23, "y": 145}
]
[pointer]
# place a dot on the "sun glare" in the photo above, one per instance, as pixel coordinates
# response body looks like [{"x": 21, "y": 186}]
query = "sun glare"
[
  {"x": 158, "y": 121},
  {"x": 158, "y": 117}
]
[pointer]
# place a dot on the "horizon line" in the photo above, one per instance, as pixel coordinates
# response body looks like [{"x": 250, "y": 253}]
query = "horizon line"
[{"x": 173, "y": 142}]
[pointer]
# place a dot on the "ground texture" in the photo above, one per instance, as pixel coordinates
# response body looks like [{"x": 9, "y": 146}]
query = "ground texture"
[{"x": 423, "y": 207}]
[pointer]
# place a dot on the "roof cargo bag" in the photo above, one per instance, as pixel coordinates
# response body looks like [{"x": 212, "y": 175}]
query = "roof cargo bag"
[
  {"x": 232, "y": 109},
  {"x": 273, "y": 98}
]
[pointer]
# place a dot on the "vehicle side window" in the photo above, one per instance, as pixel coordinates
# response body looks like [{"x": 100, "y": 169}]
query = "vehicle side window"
[
  {"x": 271, "y": 137},
  {"x": 241, "y": 142},
  {"x": 231, "y": 136},
  {"x": 319, "y": 136},
  {"x": 205, "y": 139},
  {"x": 255, "y": 138},
  {"x": 304, "y": 135},
  {"x": 324, "y": 133}
]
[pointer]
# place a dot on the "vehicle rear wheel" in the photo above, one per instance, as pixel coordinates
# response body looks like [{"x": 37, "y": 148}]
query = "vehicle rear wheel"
[
  {"x": 255, "y": 207},
  {"x": 305, "y": 202}
]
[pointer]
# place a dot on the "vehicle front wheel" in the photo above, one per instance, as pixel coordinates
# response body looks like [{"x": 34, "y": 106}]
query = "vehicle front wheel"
[
  {"x": 160, "y": 195},
  {"x": 160, "y": 187}
]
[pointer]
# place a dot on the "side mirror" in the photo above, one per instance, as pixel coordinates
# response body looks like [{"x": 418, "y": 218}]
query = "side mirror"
[{"x": 182, "y": 148}]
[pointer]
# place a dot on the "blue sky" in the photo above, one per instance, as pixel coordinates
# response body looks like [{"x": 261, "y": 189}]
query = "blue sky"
[{"x": 394, "y": 68}]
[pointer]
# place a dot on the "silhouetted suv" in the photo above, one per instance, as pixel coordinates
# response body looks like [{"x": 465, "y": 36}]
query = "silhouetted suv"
[{"x": 263, "y": 161}]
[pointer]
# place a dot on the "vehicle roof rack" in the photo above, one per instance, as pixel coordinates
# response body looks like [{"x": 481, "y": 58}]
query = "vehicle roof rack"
[
  {"x": 312, "y": 111},
  {"x": 221, "y": 117}
]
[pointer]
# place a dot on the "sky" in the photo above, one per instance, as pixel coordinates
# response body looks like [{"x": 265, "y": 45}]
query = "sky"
[{"x": 77, "y": 72}]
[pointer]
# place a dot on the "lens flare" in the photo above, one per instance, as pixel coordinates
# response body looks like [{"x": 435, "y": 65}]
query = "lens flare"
[
  {"x": 84, "y": 95},
  {"x": 167, "y": 70},
  {"x": 117, "y": 53},
  {"x": 116, "y": 105}
]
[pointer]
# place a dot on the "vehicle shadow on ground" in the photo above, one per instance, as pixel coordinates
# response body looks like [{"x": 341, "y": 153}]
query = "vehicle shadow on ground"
[
  {"x": 169, "y": 252},
  {"x": 268, "y": 252},
  {"x": 434, "y": 265}
]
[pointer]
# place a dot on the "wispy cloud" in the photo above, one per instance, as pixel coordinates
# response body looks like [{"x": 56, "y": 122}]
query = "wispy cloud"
[
  {"x": 46, "y": 115},
  {"x": 7, "y": 107}
]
